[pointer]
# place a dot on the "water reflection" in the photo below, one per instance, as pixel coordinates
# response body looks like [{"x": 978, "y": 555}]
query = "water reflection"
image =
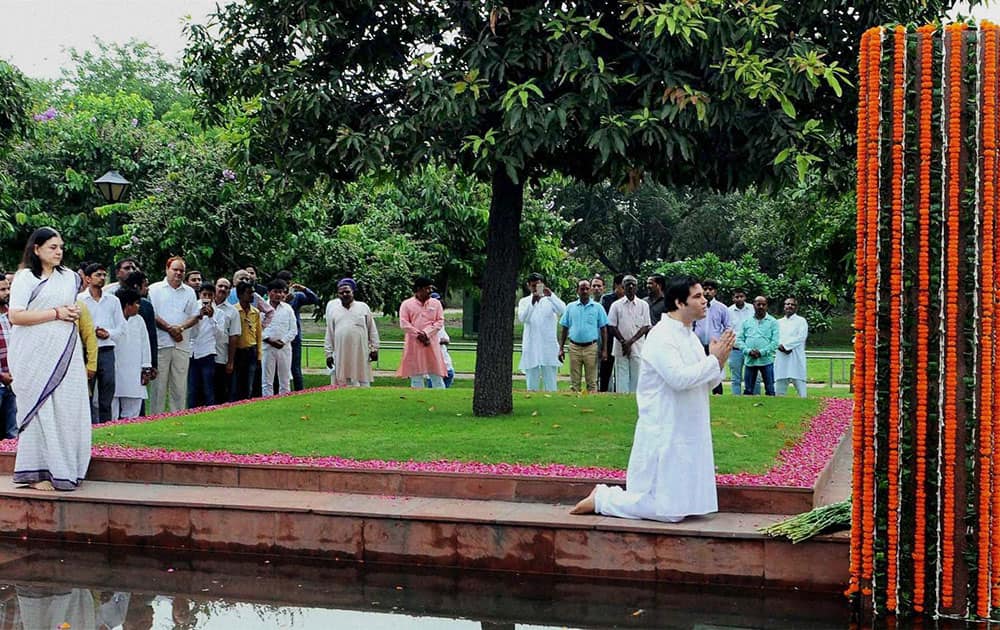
[{"x": 108, "y": 588}]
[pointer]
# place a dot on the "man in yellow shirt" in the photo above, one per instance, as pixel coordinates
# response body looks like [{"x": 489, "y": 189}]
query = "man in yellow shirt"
[{"x": 249, "y": 348}]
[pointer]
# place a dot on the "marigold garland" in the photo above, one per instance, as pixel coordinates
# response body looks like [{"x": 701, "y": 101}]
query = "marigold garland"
[
  {"x": 988, "y": 72},
  {"x": 953, "y": 260},
  {"x": 871, "y": 300},
  {"x": 926, "y": 44},
  {"x": 898, "y": 181},
  {"x": 858, "y": 434},
  {"x": 951, "y": 103}
]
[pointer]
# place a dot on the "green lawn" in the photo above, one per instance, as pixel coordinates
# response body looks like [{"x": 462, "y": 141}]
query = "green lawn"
[{"x": 402, "y": 424}]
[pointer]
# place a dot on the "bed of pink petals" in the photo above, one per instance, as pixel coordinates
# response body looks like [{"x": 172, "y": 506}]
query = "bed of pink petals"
[{"x": 797, "y": 466}]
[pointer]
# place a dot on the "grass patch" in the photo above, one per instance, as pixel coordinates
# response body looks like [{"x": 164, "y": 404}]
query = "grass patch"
[{"x": 402, "y": 424}]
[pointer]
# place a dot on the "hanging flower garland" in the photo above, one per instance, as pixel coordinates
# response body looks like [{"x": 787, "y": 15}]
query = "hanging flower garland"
[
  {"x": 859, "y": 437},
  {"x": 926, "y": 44},
  {"x": 898, "y": 181}
]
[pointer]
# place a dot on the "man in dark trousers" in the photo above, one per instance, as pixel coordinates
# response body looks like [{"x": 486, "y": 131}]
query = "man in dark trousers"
[{"x": 607, "y": 365}]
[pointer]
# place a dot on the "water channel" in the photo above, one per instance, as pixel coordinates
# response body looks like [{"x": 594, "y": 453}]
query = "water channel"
[{"x": 99, "y": 587}]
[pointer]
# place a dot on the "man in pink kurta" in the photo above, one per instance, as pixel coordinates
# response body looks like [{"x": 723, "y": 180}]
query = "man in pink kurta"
[{"x": 421, "y": 317}]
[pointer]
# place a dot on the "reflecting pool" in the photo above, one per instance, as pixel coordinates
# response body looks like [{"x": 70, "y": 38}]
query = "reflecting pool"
[{"x": 100, "y": 587}]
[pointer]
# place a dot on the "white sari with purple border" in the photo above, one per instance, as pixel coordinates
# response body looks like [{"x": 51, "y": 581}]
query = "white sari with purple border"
[{"x": 50, "y": 382}]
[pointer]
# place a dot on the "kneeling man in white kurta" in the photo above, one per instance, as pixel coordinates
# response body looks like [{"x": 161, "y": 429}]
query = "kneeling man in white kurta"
[{"x": 671, "y": 472}]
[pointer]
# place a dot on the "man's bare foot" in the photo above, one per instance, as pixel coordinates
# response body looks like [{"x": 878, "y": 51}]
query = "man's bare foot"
[
  {"x": 586, "y": 506},
  {"x": 42, "y": 485}
]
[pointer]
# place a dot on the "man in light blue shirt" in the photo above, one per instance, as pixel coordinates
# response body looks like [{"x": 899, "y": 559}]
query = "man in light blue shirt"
[
  {"x": 585, "y": 323},
  {"x": 758, "y": 339},
  {"x": 716, "y": 322}
]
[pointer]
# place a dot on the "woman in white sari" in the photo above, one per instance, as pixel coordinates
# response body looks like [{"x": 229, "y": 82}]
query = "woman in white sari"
[{"x": 46, "y": 362}]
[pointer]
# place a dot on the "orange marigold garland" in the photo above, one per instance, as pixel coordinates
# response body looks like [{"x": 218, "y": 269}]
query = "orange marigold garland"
[
  {"x": 988, "y": 70},
  {"x": 949, "y": 456},
  {"x": 926, "y": 47},
  {"x": 858, "y": 433},
  {"x": 871, "y": 300},
  {"x": 897, "y": 182}
]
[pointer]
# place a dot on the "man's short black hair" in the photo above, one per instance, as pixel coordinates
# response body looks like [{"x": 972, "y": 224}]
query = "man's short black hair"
[
  {"x": 618, "y": 279},
  {"x": 277, "y": 285},
  {"x": 93, "y": 268},
  {"x": 532, "y": 277},
  {"x": 285, "y": 275},
  {"x": 83, "y": 266},
  {"x": 207, "y": 286},
  {"x": 709, "y": 284},
  {"x": 134, "y": 280},
  {"x": 243, "y": 287},
  {"x": 422, "y": 281},
  {"x": 739, "y": 290},
  {"x": 678, "y": 290},
  {"x": 121, "y": 263},
  {"x": 658, "y": 279},
  {"x": 128, "y": 297}
]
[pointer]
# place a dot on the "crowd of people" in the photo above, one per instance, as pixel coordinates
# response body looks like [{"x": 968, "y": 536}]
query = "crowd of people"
[
  {"x": 84, "y": 351},
  {"x": 606, "y": 332}
]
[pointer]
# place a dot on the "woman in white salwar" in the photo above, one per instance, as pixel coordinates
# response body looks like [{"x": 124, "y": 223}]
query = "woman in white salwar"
[
  {"x": 46, "y": 362},
  {"x": 671, "y": 471}
]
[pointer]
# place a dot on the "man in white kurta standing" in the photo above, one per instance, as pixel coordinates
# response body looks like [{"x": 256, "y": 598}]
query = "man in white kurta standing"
[
  {"x": 539, "y": 312},
  {"x": 790, "y": 361},
  {"x": 278, "y": 336},
  {"x": 628, "y": 323},
  {"x": 671, "y": 471},
  {"x": 351, "y": 341}
]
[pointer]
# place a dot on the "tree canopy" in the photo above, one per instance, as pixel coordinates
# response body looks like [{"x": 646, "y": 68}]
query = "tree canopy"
[{"x": 710, "y": 92}]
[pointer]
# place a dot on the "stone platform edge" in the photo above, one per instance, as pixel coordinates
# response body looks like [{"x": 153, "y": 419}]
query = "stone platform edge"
[
  {"x": 519, "y": 537},
  {"x": 523, "y": 488}
]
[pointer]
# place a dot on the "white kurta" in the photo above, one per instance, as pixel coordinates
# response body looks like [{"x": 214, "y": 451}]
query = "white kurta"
[
  {"x": 539, "y": 346},
  {"x": 351, "y": 336},
  {"x": 671, "y": 471},
  {"x": 792, "y": 333},
  {"x": 131, "y": 355}
]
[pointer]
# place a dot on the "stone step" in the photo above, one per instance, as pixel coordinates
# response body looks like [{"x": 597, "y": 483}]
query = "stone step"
[
  {"x": 520, "y": 488},
  {"x": 536, "y": 538}
]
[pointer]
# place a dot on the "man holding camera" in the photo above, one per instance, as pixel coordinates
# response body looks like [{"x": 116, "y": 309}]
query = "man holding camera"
[{"x": 538, "y": 312}]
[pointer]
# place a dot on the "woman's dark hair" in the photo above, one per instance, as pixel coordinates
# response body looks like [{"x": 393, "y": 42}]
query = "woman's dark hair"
[
  {"x": 678, "y": 290},
  {"x": 30, "y": 260}
]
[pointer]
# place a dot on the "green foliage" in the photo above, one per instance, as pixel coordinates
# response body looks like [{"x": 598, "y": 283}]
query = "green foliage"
[
  {"x": 14, "y": 103},
  {"x": 50, "y": 174},
  {"x": 134, "y": 67},
  {"x": 810, "y": 291}
]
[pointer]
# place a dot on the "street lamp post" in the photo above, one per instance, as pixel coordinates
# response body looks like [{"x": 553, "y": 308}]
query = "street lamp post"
[{"x": 112, "y": 187}]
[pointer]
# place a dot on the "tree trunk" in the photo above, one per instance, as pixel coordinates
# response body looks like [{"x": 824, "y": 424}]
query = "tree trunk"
[{"x": 495, "y": 350}]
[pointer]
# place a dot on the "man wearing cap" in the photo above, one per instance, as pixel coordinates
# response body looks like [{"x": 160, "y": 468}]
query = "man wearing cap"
[
  {"x": 538, "y": 312},
  {"x": 421, "y": 318},
  {"x": 351, "y": 341},
  {"x": 628, "y": 323},
  {"x": 584, "y": 323}
]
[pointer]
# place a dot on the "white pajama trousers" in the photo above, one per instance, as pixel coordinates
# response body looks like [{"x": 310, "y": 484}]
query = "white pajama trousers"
[
  {"x": 276, "y": 361},
  {"x": 541, "y": 374},
  {"x": 781, "y": 386},
  {"x": 627, "y": 373}
]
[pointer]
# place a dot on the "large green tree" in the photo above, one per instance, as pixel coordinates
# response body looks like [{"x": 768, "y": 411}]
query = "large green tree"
[{"x": 711, "y": 92}]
